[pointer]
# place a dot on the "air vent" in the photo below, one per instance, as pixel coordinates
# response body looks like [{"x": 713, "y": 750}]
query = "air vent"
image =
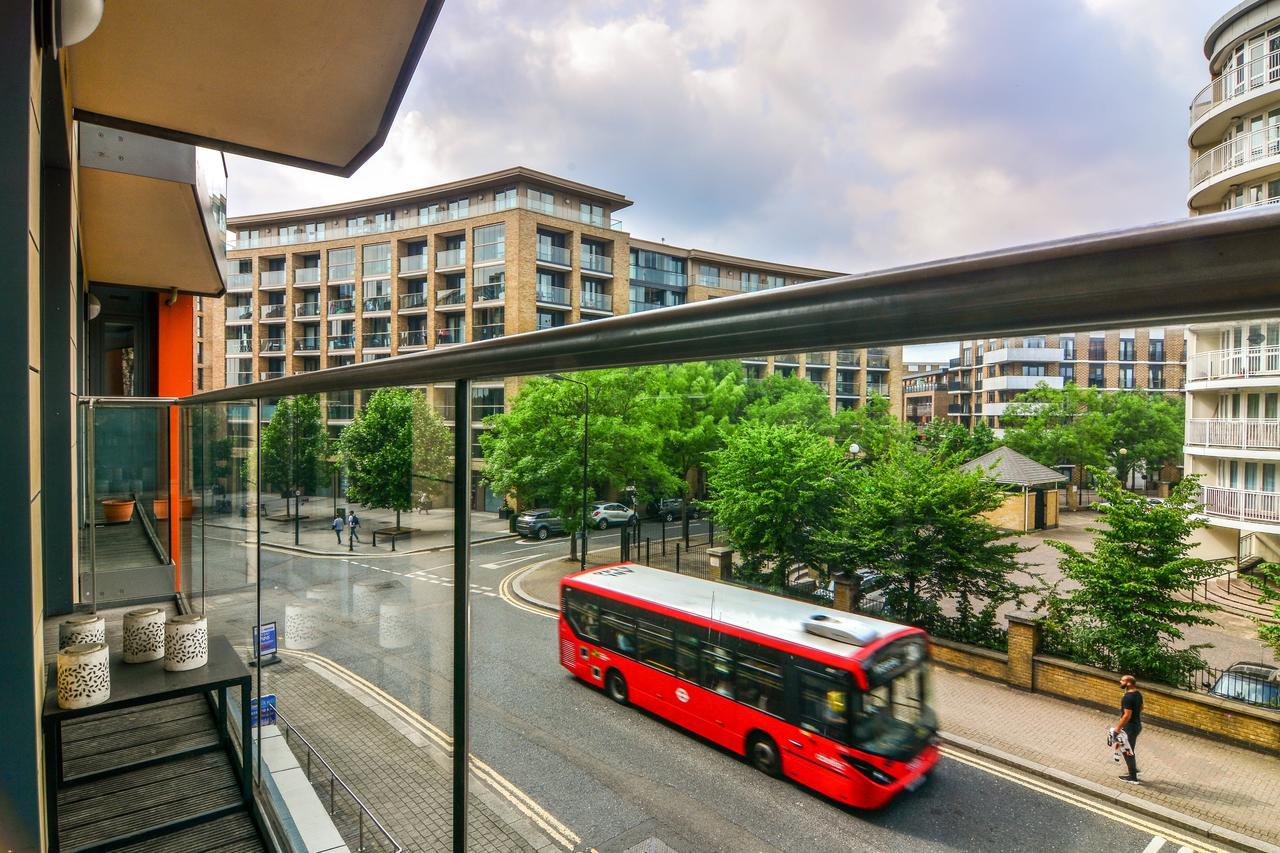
[{"x": 840, "y": 630}]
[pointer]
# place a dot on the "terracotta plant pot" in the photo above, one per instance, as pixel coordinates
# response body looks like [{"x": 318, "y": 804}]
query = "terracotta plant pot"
[
  {"x": 117, "y": 510},
  {"x": 185, "y": 506},
  {"x": 160, "y": 508}
]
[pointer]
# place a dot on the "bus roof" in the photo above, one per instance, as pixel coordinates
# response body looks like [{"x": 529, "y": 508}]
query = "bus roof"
[{"x": 758, "y": 612}]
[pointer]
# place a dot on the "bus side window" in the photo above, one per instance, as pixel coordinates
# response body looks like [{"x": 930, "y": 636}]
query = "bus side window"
[
  {"x": 760, "y": 684},
  {"x": 717, "y": 670},
  {"x": 824, "y": 706},
  {"x": 687, "y": 657},
  {"x": 656, "y": 646},
  {"x": 583, "y": 615},
  {"x": 617, "y": 631}
]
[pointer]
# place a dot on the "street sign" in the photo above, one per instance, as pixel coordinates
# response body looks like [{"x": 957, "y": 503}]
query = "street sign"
[
  {"x": 263, "y": 711},
  {"x": 265, "y": 642}
]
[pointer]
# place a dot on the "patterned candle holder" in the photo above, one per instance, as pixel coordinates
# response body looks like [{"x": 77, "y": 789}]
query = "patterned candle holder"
[
  {"x": 82, "y": 629},
  {"x": 84, "y": 675},
  {"x": 186, "y": 642},
  {"x": 395, "y": 625},
  {"x": 143, "y": 635},
  {"x": 302, "y": 623},
  {"x": 366, "y": 597},
  {"x": 329, "y": 597}
]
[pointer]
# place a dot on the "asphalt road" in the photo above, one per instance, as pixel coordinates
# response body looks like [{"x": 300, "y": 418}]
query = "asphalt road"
[{"x": 617, "y": 776}]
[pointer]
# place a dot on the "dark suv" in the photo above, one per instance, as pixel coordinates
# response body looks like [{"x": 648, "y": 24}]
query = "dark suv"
[
  {"x": 538, "y": 524},
  {"x": 669, "y": 509}
]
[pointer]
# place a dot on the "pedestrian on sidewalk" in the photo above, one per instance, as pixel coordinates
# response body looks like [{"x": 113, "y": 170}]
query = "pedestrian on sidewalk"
[
  {"x": 1131, "y": 724},
  {"x": 353, "y": 521},
  {"x": 338, "y": 524}
]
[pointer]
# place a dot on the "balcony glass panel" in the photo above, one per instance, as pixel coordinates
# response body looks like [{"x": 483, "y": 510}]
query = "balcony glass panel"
[
  {"x": 553, "y": 254},
  {"x": 306, "y": 344},
  {"x": 490, "y": 292},
  {"x": 488, "y": 331},
  {"x": 236, "y": 313},
  {"x": 451, "y": 335},
  {"x": 597, "y": 263},
  {"x": 456, "y": 296},
  {"x": 273, "y": 278},
  {"x": 451, "y": 258},
  {"x": 413, "y": 263},
  {"x": 377, "y": 340},
  {"x": 342, "y": 306},
  {"x": 409, "y": 301},
  {"x": 239, "y": 345},
  {"x": 377, "y": 303},
  {"x": 273, "y": 345},
  {"x": 306, "y": 309},
  {"x": 597, "y": 301},
  {"x": 274, "y": 311},
  {"x": 342, "y": 272},
  {"x": 342, "y": 342},
  {"x": 306, "y": 275},
  {"x": 240, "y": 281},
  {"x": 552, "y": 294},
  {"x": 414, "y": 338}
]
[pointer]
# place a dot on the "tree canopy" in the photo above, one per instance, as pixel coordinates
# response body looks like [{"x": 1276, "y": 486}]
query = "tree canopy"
[
  {"x": 953, "y": 442},
  {"x": 698, "y": 401},
  {"x": 778, "y": 399},
  {"x": 295, "y": 446},
  {"x": 872, "y": 427}
]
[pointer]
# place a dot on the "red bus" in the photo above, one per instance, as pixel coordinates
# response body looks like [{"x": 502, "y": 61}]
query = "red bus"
[{"x": 835, "y": 701}]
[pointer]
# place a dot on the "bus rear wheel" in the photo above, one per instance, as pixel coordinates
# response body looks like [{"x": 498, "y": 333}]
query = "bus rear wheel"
[
  {"x": 616, "y": 686},
  {"x": 763, "y": 755}
]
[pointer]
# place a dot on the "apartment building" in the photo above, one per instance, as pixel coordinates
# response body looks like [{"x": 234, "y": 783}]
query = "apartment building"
[
  {"x": 987, "y": 375},
  {"x": 924, "y": 394},
  {"x": 1233, "y": 369},
  {"x": 500, "y": 254}
]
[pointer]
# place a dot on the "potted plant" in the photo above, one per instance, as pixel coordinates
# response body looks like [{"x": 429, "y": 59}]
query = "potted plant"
[{"x": 117, "y": 510}]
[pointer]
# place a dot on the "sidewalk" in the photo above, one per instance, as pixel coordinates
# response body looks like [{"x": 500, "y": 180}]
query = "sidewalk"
[
  {"x": 432, "y": 530},
  {"x": 1220, "y": 785}
]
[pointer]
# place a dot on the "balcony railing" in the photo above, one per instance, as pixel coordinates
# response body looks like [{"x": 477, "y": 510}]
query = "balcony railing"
[
  {"x": 413, "y": 263},
  {"x": 822, "y": 384},
  {"x": 342, "y": 342},
  {"x": 479, "y": 411},
  {"x": 240, "y": 282},
  {"x": 306, "y": 275},
  {"x": 239, "y": 345},
  {"x": 342, "y": 306},
  {"x": 817, "y": 358},
  {"x": 957, "y": 386},
  {"x": 1252, "y": 147},
  {"x": 1236, "y": 83},
  {"x": 272, "y": 345},
  {"x": 412, "y": 301},
  {"x": 656, "y": 276},
  {"x": 239, "y": 313},
  {"x": 592, "y": 262},
  {"x": 240, "y": 377},
  {"x": 306, "y": 345},
  {"x": 549, "y": 254},
  {"x": 787, "y": 358},
  {"x": 596, "y": 301},
  {"x": 342, "y": 272},
  {"x": 846, "y": 389},
  {"x": 451, "y": 258},
  {"x": 877, "y": 362},
  {"x": 845, "y": 358},
  {"x": 880, "y": 388},
  {"x": 264, "y": 376},
  {"x": 553, "y": 295},
  {"x": 456, "y": 296},
  {"x": 377, "y": 303},
  {"x": 638, "y": 306},
  {"x": 306, "y": 309},
  {"x": 377, "y": 340},
  {"x": 491, "y": 293},
  {"x": 959, "y": 409},
  {"x": 414, "y": 338},
  {"x": 1235, "y": 363},
  {"x": 1253, "y": 434},
  {"x": 274, "y": 311},
  {"x": 342, "y": 411},
  {"x": 273, "y": 278},
  {"x": 455, "y": 335},
  {"x": 1241, "y": 504},
  {"x": 488, "y": 331}
]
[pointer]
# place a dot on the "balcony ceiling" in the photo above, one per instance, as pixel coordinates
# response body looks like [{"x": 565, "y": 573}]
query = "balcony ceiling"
[{"x": 309, "y": 83}]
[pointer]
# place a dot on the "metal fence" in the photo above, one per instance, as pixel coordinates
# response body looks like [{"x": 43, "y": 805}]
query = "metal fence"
[{"x": 1250, "y": 686}]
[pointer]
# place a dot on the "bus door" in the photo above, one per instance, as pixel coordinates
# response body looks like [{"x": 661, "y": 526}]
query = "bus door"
[{"x": 822, "y": 717}]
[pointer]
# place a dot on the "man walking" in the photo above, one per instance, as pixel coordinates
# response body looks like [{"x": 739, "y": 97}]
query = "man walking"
[
  {"x": 1131, "y": 724},
  {"x": 353, "y": 521},
  {"x": 338, "y": 524}
]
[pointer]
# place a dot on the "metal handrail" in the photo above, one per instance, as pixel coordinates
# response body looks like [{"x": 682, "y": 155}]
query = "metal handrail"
[{"x": 335, "y": 779}]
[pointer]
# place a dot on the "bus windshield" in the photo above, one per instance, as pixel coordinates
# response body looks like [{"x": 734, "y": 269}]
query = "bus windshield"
[{"x": 895, "y": 720}]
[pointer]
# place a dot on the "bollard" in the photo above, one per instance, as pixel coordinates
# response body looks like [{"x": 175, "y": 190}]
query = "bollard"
[
  {"x": 648, "y": 554},
  {"x": 677, "y": 558}
]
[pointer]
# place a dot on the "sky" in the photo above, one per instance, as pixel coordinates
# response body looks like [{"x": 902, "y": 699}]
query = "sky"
[{"x": 850, "y": 135}]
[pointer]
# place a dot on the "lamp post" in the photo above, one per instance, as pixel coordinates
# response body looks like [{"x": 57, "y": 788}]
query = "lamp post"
[{"x": 586, "y": 433}]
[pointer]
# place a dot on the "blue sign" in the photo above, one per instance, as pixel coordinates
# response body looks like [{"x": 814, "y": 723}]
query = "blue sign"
[
  {"x": 263, "y": 711},
  {"x": 265, "y": 639}
]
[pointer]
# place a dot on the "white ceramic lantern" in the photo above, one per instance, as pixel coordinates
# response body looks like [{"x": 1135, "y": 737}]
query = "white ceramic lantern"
[
  {"x": 84, "y": 675},
  {"x": 302, "y": 625},
  {"x": 186, "y": 642},
  {"x": 82, "y": 629},
  {"x": 143, "y": 635}
]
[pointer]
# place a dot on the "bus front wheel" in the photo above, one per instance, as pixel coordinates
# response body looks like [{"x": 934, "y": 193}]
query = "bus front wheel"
[
  {"x": 616, "y": 686},
  {"x": 763, "y": 754}
]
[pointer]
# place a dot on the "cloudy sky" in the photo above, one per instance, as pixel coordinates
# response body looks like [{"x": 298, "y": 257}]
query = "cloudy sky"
[{"x": 844, "y": 134}]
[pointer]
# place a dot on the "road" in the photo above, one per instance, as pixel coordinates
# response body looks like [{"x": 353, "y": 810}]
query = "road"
[{"x": 616, "y": 776}]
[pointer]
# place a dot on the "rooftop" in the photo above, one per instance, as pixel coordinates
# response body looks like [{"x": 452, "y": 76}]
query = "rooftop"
[{"x": 1009, "y": 467}]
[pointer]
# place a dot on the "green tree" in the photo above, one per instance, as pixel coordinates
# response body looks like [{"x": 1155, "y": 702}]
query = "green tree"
[
  {"x": 535, "y": 451},
  {"x": 981, "y": 440},
  {"x": 379, "y": 452},
  {"x": 432, "y": 455},
  {"x": 872, "y": 427},
  {"x": 779, "y": 399},
  {"x": 1147, "y": 427},
  {"x": 1269, "y": 633},
  {"x": 295, "y": 448},
  {"x": 915, "y": 519},
  {"x": 697, "y": 402},
  {"x": 1132, "y": 595},
  {"x": 1060, "y": 426},
  {"x": 772, "y": 486}
]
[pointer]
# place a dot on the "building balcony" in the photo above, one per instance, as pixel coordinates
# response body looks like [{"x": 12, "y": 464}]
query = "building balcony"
[
  {"x": 342, "y": 272},
  {"x": 847, "y": 358},
  {"x": 413, "y": 302},
  {"x": 413, "y": 339},
  {"x": 1241, "y": 504},
  {"x": 1241, "y": 434},
  {"x": 598, "y": 264},
  {"x": 413, "y": 264},
  {"x": 273, "y": 313},
  {"x": 237, "y": 346},
  {"x": 552, "y": 295},
  {"x": 270, "y": 345},
  {"x": 654, "y": 276},
  {"x": 556, "y": 256},
  {"x": 455, "y": 299},
  {"x": 487, "y": 331},
  {"x": 377, "y": 340},
  {"x": 240, "y": 377},
  {"x": 846, "y": 389},
  {"x": 601, "y": 302},
  {"x": 272, "y": 280},
  {"x": 342, "y": 411},
  {"x": 957, "y": 386},
  {"x": 1235, "y": 365},
  {"x": 822, "y": 385},
  {"x": 240, "y": 282},
  {"x": 451, "y": 259},
  {"x": 880, "y": 388},
  {"x": 263, "y": 377},
  {"x": 1240, "y": 160},
  {"x": 490, "y": 293},
  {"x": 240, "y": 313},
  {"x": 1019, "y": 383},
  {"x": 817, "y": 359},
  {"x": 959, "y": 409},
  {"x": 304, "y": 276},
  {"x": 342, "y": 342},
  {"x": 644, "y": 305},
  {"x": 306, "y": 345},
  {"x": 877, "y": 362},
  {"x": 377, "y": 304},
  {"x": 306, "y": 309},
  {"x": 1034, "y": 355},
  {"x": 342, "y": 306},
  {"x": 1241, "y": 91},
  {"x": 451, "y": 335}
]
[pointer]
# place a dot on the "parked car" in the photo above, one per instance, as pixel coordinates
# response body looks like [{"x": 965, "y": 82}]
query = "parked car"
[
  {"x": 606, "y": 513},
  {"x": 1255, "y": 683},
  {"x": 538, "y": 524},
  {"x": 669, "y": 509},
  {"x": 871, "y": 589}
]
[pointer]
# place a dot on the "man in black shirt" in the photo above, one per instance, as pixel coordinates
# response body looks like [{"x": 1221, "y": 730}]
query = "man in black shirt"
[{"x": 1131, "y": 724}]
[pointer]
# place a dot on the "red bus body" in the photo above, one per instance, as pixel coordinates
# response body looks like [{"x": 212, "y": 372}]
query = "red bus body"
[{"x": 839, "y": 770}]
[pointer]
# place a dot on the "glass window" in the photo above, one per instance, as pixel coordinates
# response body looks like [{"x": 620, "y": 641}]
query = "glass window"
[
  {"x": 687, "y": 655},
  {"x": 824, "y": 706},
  {"x": 655, "y": 645},
  {"x": 750, "y": 281},
  {"x": 490, "y": 243},
  {"x": 584, "y": 615},
  {"x": 544, "y": 202},
  {"x": 1068, "y": 343},
  {"x": 760, "y": 684},
  {"x": 458, "y": 208},
  {"x": 1126, "y": 376},
  {"x": 773, "y": 281},
  {"x": 708, "y": 276},
  {"x": 1157, "y": 376},
  {"x": 504, "y": 199},
  {"x": 717, "y": 670},
  {"x": 657, "y": 268},
  {"x": 592, "y": 214},
  {"x": 1067, "y": 372},
  {"x": 1269, "y": 406},
  {"x": 377, "y": 259},
  {"x": 1096, "y": 376},
  {"x": 1269, "y": 477}
]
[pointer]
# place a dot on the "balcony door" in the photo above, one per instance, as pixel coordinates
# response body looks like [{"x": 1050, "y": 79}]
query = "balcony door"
[{"x": 122, "y": 343}]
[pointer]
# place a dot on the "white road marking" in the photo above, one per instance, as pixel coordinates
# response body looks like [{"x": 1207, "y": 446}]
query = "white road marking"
[
  {"x": 1155, "y": 844},
  {"x": 1185, "y": 849},
  {"x": 500, "y": 563}
]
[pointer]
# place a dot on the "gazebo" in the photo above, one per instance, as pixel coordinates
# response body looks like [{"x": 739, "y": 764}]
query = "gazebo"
[{"x": 1034, "y": 506}]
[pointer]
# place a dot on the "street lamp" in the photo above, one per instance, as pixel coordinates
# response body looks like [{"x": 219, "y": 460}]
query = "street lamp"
[{"x": 586, "y": 433}]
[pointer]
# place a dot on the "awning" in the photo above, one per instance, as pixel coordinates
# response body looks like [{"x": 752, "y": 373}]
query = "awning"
[
  {"x": 309, "y": 83},
  {"x": 153, "y": 212}
]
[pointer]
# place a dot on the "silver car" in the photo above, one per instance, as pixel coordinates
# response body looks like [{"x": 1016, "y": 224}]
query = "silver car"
[{"x": 605, "y": 514}]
